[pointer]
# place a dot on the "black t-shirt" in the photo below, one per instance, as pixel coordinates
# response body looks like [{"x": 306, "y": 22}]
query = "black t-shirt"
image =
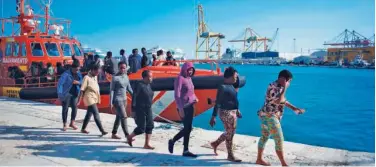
[
  {"x": 143, "y": 95},
  {"x": 170, "y": 61},
  {"x": 60, "y": 70},
  {"x": 144, "y": 61},
  {"x": 19, "y": 74},
  {"x": 43, "y": 71}
]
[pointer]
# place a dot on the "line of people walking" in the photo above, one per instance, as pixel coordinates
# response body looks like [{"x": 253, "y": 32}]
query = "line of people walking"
[{"x": 72, "y": 88}]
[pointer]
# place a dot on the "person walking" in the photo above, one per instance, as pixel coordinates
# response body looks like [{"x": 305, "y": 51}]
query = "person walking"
[
  {"x": 227, "y": 105},
  {"x": 271, "y": 114},
  {"x": 68, "y": 89},
  {"x": 185, "y": 100},
  {"x": 91, "y": 96},
  {"x": 119, "y": 87},
  {"x": 142, "y": 102}
]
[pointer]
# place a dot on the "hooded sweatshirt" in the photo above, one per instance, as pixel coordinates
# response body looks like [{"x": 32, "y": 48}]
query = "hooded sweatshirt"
[{"x": 184, "y": 88}]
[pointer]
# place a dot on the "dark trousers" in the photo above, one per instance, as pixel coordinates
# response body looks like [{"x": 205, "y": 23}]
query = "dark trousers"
[
  {"x": 70, "y": 101},
  {"x": 186, "y": 131},
  {"x": 93, "y": 110},
  {"x": 144, "y": 121},
  {"x": 121, "y": 117}
]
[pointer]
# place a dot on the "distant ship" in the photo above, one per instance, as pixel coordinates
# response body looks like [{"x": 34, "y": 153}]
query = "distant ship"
[
  {"x": 231, "y": 54},
  {"x": 358, "y": 61}
]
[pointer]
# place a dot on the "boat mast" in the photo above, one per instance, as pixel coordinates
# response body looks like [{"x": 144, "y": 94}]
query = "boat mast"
[
  {"x": 47, "y": 15},
  {"x": 20, "y": 7},
  {"x": 21, "y": 17},
  {"x": 2, "y": 8}
]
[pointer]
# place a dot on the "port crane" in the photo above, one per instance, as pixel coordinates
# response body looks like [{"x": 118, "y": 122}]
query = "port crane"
[
  {"x": 268, "y": 47},
  {"x": 351, "y": 39},
  {"x": 207, "y": 41},
  {"x": 252, "y": 41}
]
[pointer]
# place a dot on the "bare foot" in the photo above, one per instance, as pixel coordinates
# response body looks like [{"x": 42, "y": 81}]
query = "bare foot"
[
  {"x": 214, "y": 148},
  {"x": 285, "y": 164},
  {"x": 148, "y": 147},
  {"x": 74, "y": 127},
  {"x": 115, "y": 136},
  {"x": 64, "y": 128},
  {"x": 84, "y": 131},
  {"x": 262, "y": 162}
]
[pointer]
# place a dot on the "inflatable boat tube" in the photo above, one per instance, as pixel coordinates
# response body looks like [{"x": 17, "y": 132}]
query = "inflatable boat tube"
[{"x": 158, "y": 84}]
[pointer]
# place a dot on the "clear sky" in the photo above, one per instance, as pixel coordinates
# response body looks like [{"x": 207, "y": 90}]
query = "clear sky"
[{"x": 115, "y": 24}]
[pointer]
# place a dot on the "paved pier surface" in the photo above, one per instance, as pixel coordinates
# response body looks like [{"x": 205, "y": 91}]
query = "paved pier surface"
[{"x": 30, "y": 134}]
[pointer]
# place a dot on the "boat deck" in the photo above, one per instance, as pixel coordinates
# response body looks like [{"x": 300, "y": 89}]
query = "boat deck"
[{"x": 30, "y": 135}]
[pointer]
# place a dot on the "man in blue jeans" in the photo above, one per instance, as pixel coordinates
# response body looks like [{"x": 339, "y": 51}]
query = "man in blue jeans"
[{"x": 68, "y": 89}]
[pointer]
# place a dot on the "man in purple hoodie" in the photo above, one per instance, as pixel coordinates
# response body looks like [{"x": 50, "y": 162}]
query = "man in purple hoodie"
[{"x": 185, "y": 99}]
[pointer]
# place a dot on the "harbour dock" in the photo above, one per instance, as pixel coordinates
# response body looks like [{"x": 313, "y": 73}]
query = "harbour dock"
[{"x": 30, "y": 134}]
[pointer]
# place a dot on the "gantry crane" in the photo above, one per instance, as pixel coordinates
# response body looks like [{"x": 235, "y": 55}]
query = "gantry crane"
[
  {"x": 351, "y": 39},
  {"x": 211, "y": 40},
  {"x": 252, "y": 41}
]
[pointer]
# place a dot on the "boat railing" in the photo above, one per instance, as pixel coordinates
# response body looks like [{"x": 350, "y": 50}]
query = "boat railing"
[{"x": 29, "y": 80}]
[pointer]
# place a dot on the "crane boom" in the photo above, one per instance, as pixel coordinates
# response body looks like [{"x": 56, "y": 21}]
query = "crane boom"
[{"x": 273, "y": 39}]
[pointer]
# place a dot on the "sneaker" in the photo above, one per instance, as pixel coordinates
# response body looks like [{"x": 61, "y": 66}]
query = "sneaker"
[
  {"x": 189, "y": 154},
  {"x": 171, "y": 146}
]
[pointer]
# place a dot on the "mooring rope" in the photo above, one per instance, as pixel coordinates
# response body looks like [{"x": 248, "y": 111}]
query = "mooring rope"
[{"x": 169, "y": 121}]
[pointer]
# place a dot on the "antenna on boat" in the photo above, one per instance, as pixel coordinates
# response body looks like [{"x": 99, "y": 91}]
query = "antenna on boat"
[{"x": 2, "y": 8}]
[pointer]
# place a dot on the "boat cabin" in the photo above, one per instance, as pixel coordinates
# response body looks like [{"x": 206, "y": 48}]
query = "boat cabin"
[
  {"x": 23, "y": 50},
  {"x": 31, "y": 38}
]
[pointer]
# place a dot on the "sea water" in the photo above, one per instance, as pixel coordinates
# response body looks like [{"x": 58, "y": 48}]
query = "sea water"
[{"x": 339, "y": 103}]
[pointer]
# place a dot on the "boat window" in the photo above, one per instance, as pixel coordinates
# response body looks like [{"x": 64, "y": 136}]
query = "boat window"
[
  {"x": 16, "y": 49},
  {"x": 23, "y": 49},
  {"x": 52, "y": 49},
  {"x": 77, "y": 50},
  {"x": 66, "y": 49},
  {"x": 8, "y": 49},
  {"x": 36, "y": 49}
]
